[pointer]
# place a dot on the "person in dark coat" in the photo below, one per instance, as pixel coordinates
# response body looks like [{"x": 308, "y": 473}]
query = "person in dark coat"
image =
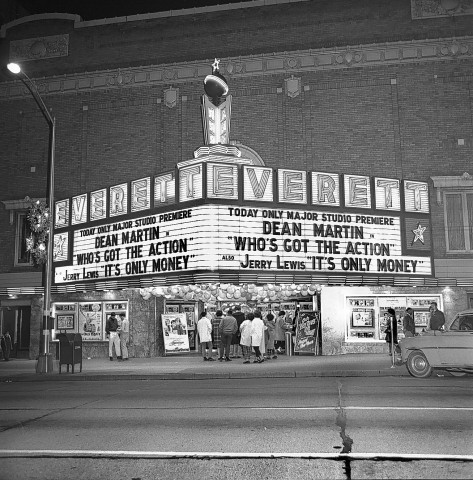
[
  {"x": 6, "y": 345},
  {"x": 235, "y": 346},
  {"x": 112, "y": 330},
  {"x": 437, "y": 318},
  {"x": 391, "y": 334},
  {"x": 408, "y": 324}
]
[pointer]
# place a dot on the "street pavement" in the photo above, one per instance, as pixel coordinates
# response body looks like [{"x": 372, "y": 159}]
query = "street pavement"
[{"x": 192, "y": 367}]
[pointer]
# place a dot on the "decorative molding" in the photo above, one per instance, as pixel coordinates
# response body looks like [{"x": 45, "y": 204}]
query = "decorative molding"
[
  {"x": 293, "y": 63},
  {"x": 21, "y": 204},
  {"x": 39, "y": 17},
  {"x": 171, "y": 97},
  {"x": 292, "y": 86},
  {"x": 421, "y": 9},
  {"x": 451, "y": 182},
  {"x": 39, "y": 48}
]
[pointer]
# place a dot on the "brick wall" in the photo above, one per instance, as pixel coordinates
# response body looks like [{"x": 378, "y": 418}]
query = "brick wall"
[
  {"x": 402, "y": 120},
  {"x": 275, "y": 28}
]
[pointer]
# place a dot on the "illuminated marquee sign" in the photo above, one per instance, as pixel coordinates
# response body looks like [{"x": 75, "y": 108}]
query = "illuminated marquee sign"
[
  {"x": 381, "y": 225},
  {"x": 218, "y": 237},
  {"x": 258, "y": 185}
]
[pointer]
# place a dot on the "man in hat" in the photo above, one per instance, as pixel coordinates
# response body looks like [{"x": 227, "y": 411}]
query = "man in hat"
[{"x": 111, "y": 328}]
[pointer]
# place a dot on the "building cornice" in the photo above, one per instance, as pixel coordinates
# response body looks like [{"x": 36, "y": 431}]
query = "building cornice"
[
  {"x": 39, "y": 17},
  {"x": 79, "y": 23},
  {"x": 285, "y": 63}
]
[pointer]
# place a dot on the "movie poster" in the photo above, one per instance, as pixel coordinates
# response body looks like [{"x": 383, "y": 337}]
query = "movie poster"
[
  {"x": 90, "y": 320},
  {"x": 175, "y": 332},
  {"x": 306, "y": 332}
]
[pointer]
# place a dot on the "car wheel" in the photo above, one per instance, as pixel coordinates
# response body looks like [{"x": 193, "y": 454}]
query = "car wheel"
[{"x": 418, "y": 365}]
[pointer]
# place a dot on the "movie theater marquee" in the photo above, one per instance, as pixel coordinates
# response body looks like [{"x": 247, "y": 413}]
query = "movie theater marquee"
[{"x": 213, "y": 216}]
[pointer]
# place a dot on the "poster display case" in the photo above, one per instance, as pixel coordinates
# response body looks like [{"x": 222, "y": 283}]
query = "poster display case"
[
  {"x": 86, "y": 318},
  {"x": 189, "y": 310},
  {"x": 65, "y": 315},
  {"x": 368, "y": 315},
  {"x": 191, "y": 318}
]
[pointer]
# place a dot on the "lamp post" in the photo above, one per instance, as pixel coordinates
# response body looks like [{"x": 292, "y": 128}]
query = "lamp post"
[{"x": 45, "y": 363}]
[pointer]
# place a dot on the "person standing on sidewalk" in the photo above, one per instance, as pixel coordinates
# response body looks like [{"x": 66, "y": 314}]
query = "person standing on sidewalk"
[
  {"x": 437, "y": 318},
  {"x": 391, "y": 330},
  {"x": 111, "y": 329},
  {"x": 240, "y": 318},
  {"x": 408, "y": 324},
  {"x": 216, "y": 333},
  {"x": 257, "y": 337},
  {"x": 6, "y": 345},
  {"x": 245, "y": 337},
  {"x": 204, "y": 329},
  {"x": 280, "y": 332},
  {"x": 124, "y": 335},
  {"x": 270, "y": 332},
  {"x": 227, "y": 328}
]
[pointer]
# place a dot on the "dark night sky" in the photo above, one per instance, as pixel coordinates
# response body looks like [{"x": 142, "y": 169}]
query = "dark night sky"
[{"x": 95, "y": 9}]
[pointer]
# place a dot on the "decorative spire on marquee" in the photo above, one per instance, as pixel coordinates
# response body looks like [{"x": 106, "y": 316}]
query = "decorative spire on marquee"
[{"x": 216, "y": 110}]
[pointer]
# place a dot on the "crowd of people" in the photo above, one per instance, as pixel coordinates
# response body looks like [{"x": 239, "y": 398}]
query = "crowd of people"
[{"x": 235, "y": 335}]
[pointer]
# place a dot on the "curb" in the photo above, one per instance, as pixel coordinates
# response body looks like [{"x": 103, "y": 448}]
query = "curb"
[{"x": 74, "y": 377}]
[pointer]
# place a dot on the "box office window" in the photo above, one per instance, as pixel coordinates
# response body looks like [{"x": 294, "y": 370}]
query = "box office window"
[{"x": 459, "y": 221}]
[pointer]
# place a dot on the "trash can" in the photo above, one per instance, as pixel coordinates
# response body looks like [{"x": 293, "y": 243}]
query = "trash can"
[
  {"x": 69, "y": 351},
  {"x": 289, "y": 344}
]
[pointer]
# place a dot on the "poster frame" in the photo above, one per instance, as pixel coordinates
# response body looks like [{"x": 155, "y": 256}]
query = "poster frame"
[
  {"x": 366, "y": 320},
  {"x": 314, "y": 342},
  {"x": 101, "y": 320},
  {"x": 65, "y": 321},
  {"x": 169, "y": 337}
]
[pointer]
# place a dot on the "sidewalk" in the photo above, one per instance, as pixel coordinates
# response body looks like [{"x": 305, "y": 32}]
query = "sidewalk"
[{"x": 192, "y": 367}]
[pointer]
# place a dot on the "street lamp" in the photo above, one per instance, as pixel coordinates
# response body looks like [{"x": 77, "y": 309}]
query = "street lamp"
[{"x": 45, "y": 362}]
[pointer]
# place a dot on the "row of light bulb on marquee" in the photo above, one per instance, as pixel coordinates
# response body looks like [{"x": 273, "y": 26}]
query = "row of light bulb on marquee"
[{"x": 211, "y": 293}]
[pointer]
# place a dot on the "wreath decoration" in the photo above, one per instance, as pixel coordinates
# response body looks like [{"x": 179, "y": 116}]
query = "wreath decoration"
[{"x": 40, "y": 222}]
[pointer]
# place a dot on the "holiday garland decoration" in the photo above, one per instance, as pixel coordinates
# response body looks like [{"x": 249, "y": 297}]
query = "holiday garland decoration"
[
  {"x": 40, "y": 222},
  {"x": 213, "y": 292}
]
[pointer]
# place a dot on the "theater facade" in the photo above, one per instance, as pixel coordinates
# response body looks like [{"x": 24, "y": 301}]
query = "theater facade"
[{"x": 317, "y": 206}]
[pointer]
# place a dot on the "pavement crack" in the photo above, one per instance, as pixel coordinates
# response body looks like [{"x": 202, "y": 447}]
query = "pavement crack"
[
  {"x": 27, "y": 422},
  {"x": 347, "y": 441}
]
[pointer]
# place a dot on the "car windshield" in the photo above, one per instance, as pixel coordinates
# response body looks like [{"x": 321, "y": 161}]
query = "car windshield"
[{"x": 463, "y": 323}]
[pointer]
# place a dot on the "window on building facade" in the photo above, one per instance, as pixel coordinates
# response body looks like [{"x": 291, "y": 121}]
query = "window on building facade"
[
  {"x": 23, "y": 231},
  {"x": 459, "y": 221}
]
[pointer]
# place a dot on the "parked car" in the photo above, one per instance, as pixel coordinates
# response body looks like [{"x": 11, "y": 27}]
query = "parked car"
[{"x": 450, "y": 349}]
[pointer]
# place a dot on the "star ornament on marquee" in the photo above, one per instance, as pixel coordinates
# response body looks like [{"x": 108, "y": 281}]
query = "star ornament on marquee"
[
  {"x": 215, "y": 64},
  {"x": 418, "y": 234}
]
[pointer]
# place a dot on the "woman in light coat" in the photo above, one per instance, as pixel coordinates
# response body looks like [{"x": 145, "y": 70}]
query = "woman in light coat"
[
  {"x": 257, "y": 337},
  {"x": 280, "y": 332},
  {"x": 245, "y": 337}
]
